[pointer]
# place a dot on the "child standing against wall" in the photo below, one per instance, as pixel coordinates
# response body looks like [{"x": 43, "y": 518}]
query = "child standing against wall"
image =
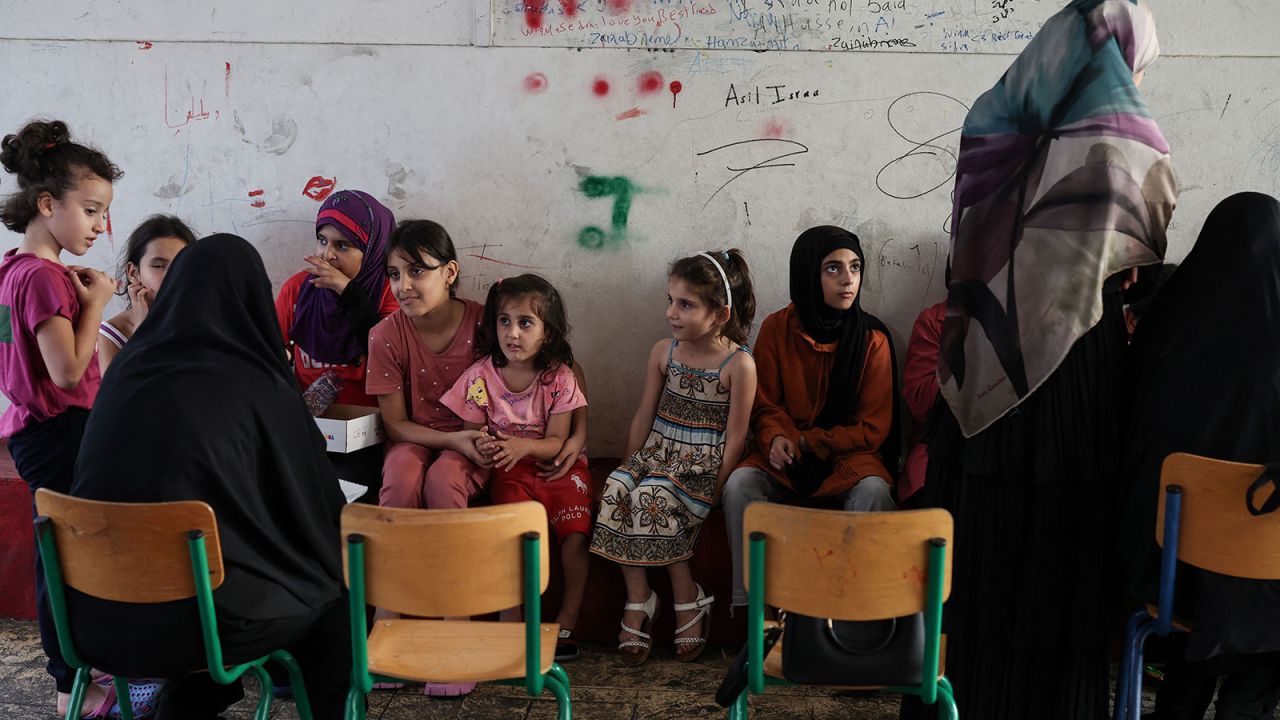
[{"x": 49, "y": 315}]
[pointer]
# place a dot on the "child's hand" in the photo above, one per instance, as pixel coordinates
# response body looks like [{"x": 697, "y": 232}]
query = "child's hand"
[
  {"x": 467, "y": 443},
  {"x": 510, "y": 451},
  {"x": 93, "y": 287},
  {"x": 781, "y": 452},
  {"x": 325, "y": 275},
  {"x": 139, "y": 302},
  {"x": 557, "y": 468},
  {"x": 486, "y": 443}
]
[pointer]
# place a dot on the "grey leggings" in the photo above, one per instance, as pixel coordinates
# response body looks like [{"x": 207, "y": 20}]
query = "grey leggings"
[{"x": 748, "y": 484}]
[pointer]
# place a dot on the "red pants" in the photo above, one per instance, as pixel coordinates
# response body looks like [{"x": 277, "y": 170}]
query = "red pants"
[{"x": 567, "y": 500}]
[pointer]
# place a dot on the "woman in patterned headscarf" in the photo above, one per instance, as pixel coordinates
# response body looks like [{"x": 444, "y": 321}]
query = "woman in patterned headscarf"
[{"x": 1063, "y": 187}]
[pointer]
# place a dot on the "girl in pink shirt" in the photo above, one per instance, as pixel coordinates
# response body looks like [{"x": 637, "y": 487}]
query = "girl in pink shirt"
[
  {"x": 49, "y": 315},
  {"x": 415, "y": 354},
  {"x": 522, "y": 393}
]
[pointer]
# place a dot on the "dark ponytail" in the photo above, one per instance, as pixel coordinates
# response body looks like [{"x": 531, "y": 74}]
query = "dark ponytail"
[
  {"x": 704, "y": 278},
  {"x": 45, "y": 160}
]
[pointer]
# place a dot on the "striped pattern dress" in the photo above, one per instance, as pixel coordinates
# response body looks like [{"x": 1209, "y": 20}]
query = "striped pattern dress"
[{"x": 653, "y": 506}]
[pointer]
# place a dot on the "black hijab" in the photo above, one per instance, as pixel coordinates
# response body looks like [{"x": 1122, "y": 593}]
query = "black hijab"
[
  {"x": 1203, "y": 376},
  {"x": 202, "y": 405},
  {"x": 849, "y": 328}
]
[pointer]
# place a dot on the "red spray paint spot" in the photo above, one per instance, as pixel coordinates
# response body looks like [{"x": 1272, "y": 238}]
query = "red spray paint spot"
[
  {"x": 649, "y": 83},
  {"x": 675, "y": 87},
  {"x": 617, "y": 7},
  {"x": 533, "y": 14},
  {"x": 111, "y": 238},
  {"x": 226, "y": 87},
  {"x": 633, "y": 112},
  {"x": 774, "y": 128},
  {"x": 535, "y": 82},
  {"x": 144, "y": 45},
  {"x": 259, "y": 202},
  {"x": 600, "y": 87},
  {"x": 570, "y": 7},
  {"x": 318, "y": 188}
]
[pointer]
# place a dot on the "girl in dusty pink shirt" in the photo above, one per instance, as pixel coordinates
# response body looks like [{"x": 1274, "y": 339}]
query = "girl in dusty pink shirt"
[{"x": 415, "y": 354}]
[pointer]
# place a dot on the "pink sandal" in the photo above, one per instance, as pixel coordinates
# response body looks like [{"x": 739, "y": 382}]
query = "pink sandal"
[
  {"x": 104, "y": 708},
  {"x": 447, "y": 689}
]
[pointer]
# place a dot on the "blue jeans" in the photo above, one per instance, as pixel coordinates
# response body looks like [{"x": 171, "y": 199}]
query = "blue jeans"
[{"x": 748, "y": 484}]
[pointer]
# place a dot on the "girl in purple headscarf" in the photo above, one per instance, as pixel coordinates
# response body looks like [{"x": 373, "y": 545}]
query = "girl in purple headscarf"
[{"x": 327, "y": 310}]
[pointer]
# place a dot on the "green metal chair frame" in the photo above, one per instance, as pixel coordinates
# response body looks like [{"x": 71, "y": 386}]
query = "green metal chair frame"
[
  {"x": 933, "y": 687},
  {"x": 208, "y": 626},
  {"x": 535, "y": 681}
]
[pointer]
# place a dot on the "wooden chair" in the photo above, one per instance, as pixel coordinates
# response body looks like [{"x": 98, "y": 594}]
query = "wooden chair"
[
  {"x": 449, "y": 563},
  {"x": 142, "y": 553},
  {"x": 847, "y": 566},
  {"x": 1202, "y": 520}
]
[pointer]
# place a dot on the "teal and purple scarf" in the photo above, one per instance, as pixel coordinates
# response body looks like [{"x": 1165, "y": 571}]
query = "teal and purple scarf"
[{"x": 1063, "y": 180}]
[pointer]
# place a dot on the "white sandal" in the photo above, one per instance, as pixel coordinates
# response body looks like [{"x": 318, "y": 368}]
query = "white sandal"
[
  {"x": 703, "y": 606},
  {"x": 642, "y": 639}
]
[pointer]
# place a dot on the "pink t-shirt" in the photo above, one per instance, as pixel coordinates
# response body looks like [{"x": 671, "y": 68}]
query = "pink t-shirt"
[
  {"x": 33, "y": 290},
  {"x": 399, "y": 362},
  {"x": 481, "y": 396}
]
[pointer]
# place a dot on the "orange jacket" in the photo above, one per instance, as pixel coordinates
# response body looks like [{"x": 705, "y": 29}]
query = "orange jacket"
[{"x": 792, "y": 372}]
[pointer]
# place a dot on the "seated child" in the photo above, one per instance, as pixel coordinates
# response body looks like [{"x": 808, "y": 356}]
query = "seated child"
[{"x": 523, "y": 393}]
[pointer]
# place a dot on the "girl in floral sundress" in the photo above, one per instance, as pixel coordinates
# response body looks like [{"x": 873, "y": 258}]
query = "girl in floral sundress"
[{"x": 687, "y": 434}]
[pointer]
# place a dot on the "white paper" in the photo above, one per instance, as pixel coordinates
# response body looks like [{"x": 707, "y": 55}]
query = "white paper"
[{"x": 351, "y": 490}]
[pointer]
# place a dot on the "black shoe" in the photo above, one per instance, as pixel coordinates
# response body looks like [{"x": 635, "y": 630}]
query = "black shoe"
[{"x": 566, "y": 646}]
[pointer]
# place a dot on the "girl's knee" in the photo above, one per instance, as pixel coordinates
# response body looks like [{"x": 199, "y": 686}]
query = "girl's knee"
[
  {"x": 403, "y": 473},
  {"x": 871, "y": 494}
]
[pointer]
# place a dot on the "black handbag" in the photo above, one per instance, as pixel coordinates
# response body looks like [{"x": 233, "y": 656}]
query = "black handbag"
[
  {"x": 819, "y": 651},
  {"x": 1270, "y": 476}
]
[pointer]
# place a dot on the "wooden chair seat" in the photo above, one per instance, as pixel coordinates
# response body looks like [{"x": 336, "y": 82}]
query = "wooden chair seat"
[
  {"x": 1178, "y": 623},
  {"x": 773, "y": 662},
  {"x": 454, "y": 651}
]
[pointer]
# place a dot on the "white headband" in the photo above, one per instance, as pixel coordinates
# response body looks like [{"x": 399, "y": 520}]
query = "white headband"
[{"x": 728, "y": 292}]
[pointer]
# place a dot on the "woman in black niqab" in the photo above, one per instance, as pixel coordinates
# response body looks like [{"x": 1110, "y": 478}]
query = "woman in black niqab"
[
  {"x": 202, "y": 405},
  {"x": 1203, "y": 377}
]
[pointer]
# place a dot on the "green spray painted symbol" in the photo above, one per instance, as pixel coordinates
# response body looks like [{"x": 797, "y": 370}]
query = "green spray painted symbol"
[{"x": 594, "y": 186}]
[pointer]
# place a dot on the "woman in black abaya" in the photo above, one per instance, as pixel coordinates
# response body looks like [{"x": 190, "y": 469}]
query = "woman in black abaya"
[
  {"x": 202, "y": 405},
  {"x": 1203, "y": 377}
]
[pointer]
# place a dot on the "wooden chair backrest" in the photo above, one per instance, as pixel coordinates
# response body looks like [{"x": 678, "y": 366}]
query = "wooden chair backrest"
[
  {"x": 130, "y": 552},
  {"x": 846, "y": 565},
  {"x": 446, "y": 563},
  {"x": 1216, "y": 531}
]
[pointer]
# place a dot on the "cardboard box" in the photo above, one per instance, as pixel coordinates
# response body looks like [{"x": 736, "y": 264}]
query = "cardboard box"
[{"x": 347, "y": 428}]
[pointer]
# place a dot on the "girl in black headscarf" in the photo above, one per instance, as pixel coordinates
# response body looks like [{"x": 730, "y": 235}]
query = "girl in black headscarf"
[
  {"x": 202, "y": 406},
  {"x": 824, "y": 419},
  {"x": 1203, "y": 377}
]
